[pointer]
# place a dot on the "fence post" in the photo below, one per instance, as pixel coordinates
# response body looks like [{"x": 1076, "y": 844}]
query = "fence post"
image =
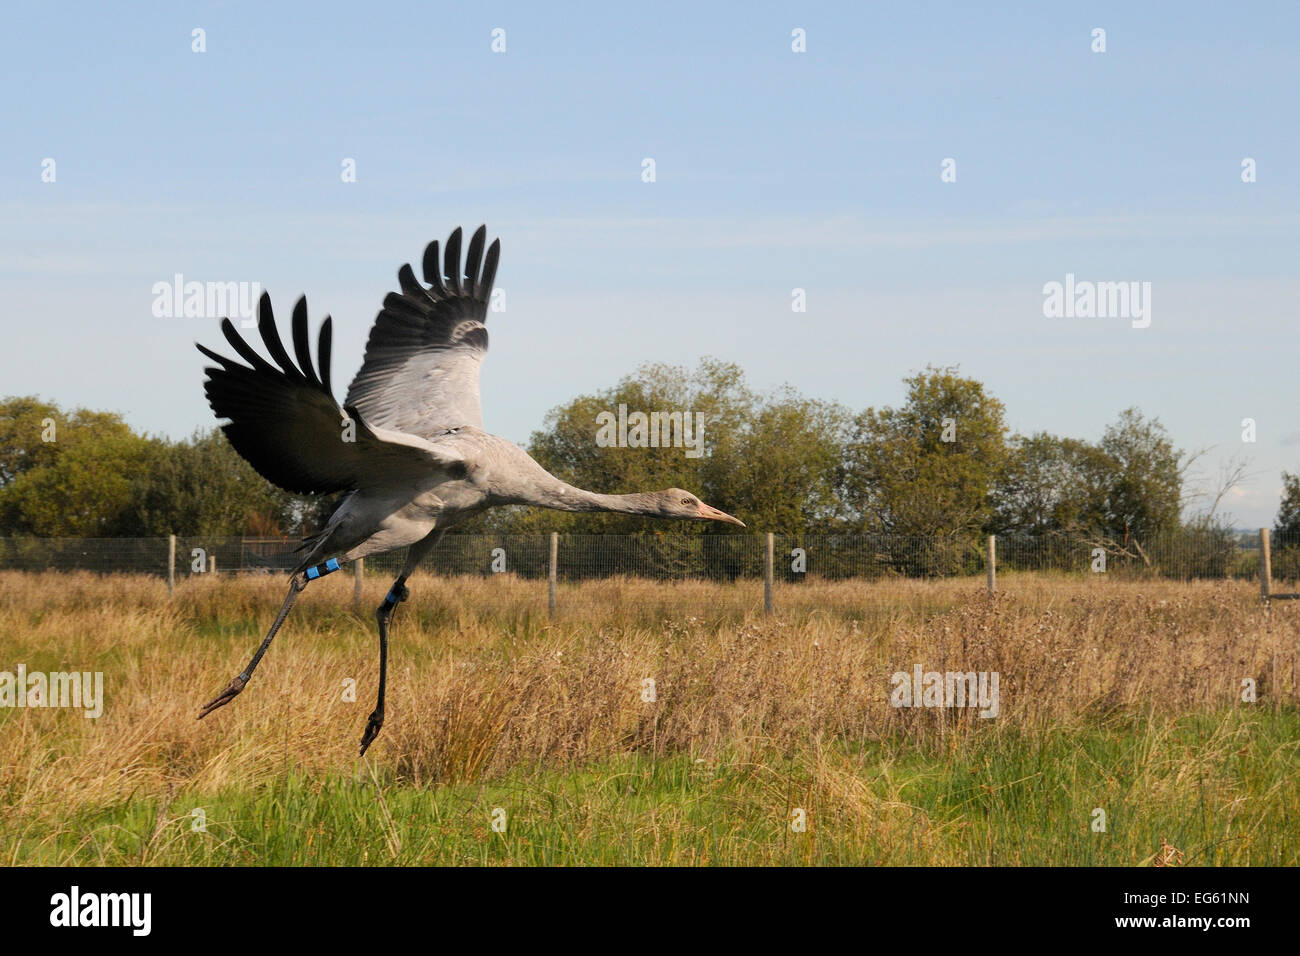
[
  {"x": 1265, "y": 566},
  {"x": 358, "y": 569},
  {"x": 552, "y": 572},
  {"x": 171, "y": 565},
  {"x": 992, "y": 562},
  {"x": 768, "y": 573}
]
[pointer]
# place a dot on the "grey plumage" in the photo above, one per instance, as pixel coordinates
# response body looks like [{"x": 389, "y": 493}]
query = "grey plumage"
[
  {"x": 407, "y": 444},
  {"x": 420, "y": 373}
]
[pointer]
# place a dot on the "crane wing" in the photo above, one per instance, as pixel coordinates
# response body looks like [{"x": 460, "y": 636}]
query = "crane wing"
[
  {"x": 284, "y": 420},
  {"x": 420, "y": 374}
]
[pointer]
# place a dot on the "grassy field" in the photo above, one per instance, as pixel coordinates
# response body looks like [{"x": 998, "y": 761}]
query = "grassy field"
[{"x": 1123, "y": 697}]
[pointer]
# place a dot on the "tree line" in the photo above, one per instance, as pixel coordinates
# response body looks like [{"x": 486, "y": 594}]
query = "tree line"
[{"x": 943, "y": 463}]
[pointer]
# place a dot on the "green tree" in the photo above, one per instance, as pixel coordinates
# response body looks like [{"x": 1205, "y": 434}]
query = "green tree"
[
  {"x": 771, "y": 461},
  {"x": 85, "y": 473},
  {"x": 84, "y": 492},
  {"x": 33, "y": 433},
  {"x": 203, "y": 487},
  {"x": 568, "y": 447},
  {"x": 1145, "y": 488},
  {"x": 783, "y": 471},
  {"x": 1051, "y": 484},
  {"x": 1287, "y": 523},
  {"x": 929, "y": 467},
  {"x": 1128, "y": 485}
]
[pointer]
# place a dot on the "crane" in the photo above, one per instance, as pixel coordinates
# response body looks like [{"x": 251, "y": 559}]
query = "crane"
[{"x": 407, "y": 446}]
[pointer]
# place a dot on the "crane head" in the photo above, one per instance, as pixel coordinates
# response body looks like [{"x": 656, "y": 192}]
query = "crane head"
[{"x": 677, "y": 503}]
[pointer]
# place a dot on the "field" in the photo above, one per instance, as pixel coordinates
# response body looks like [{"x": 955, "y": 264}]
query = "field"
[{"x": 1120, "y": 697}]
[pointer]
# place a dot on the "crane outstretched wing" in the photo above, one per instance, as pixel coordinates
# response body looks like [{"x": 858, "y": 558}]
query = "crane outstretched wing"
[
  {"x": 420, "y": 374},
  {"x": 286, "y": 423}
]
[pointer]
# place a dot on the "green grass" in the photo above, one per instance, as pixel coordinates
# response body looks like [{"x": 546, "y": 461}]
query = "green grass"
[
  {"x": 1223, "y": 789},
  {"x": 1118, "y": 696}
]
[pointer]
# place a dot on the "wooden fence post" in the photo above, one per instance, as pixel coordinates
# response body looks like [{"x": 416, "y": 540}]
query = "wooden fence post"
[
  {"x": 1265, "y": 566},
  {"x": 769, "y": 565},
  {"x": 171, "y": 565},
  {"x": 358, "y": 569},
  {"x": 552, "y": 572},
  {"x": 992, "y": 562}
]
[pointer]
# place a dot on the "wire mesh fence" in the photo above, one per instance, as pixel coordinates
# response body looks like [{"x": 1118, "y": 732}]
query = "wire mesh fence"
[
  {"x": 657, "y": 577},
  {"x": 667, "y": 557}
]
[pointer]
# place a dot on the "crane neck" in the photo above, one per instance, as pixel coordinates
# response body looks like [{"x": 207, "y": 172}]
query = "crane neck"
[
  {"x": 566, "y": 497},
  {"x": 560, "y": 496},
  {"x": 528, "y": 483}
]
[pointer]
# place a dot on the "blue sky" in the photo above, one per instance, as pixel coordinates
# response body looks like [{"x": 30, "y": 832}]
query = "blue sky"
[{"x": 774, "y": 170}]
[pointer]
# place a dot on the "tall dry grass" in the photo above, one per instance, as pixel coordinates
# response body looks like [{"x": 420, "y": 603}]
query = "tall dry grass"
[{"x": 483, "y": 684}]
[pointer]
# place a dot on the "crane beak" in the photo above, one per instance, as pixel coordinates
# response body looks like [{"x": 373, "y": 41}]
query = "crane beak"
[{"x": 709, "y": 513}]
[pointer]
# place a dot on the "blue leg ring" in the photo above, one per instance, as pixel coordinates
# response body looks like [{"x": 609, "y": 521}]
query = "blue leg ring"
[{"x": 320, "y": 570}]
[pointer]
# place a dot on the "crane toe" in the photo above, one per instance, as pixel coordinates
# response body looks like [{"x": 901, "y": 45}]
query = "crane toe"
[
  {"x": 226, "y": 696},
  {"x": 373, "y": 726}
]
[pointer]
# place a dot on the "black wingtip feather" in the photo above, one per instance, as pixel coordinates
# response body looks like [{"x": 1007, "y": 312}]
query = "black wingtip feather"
[
  {"x": 307, "y": 375},
  {"x": 246, "y": 351},
  {"x": 410, "y": 285},
  {"x": 451, "y": 267},
  {"x": 224, "y": 362},
  {"x": 474, "y": 258},
  {"x": 301, "y": 342},
  {"x": 323, "y": 345},
  {"x": 271, "y": 339},
  {"x": 433, "y": 267},
  {"x": 446, "y": 275},
  {"x": 489, "y": 270}
]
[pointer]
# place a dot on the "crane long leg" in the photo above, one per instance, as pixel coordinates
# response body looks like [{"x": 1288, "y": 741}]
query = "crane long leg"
[
  {"x": 384, "y": 614},
  {"x": 296, "y": 585}
]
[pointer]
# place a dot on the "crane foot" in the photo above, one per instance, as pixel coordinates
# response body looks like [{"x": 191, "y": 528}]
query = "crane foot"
[
  {"x": 226, "y": 696},
  {"x": 373, "y": 726}
]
